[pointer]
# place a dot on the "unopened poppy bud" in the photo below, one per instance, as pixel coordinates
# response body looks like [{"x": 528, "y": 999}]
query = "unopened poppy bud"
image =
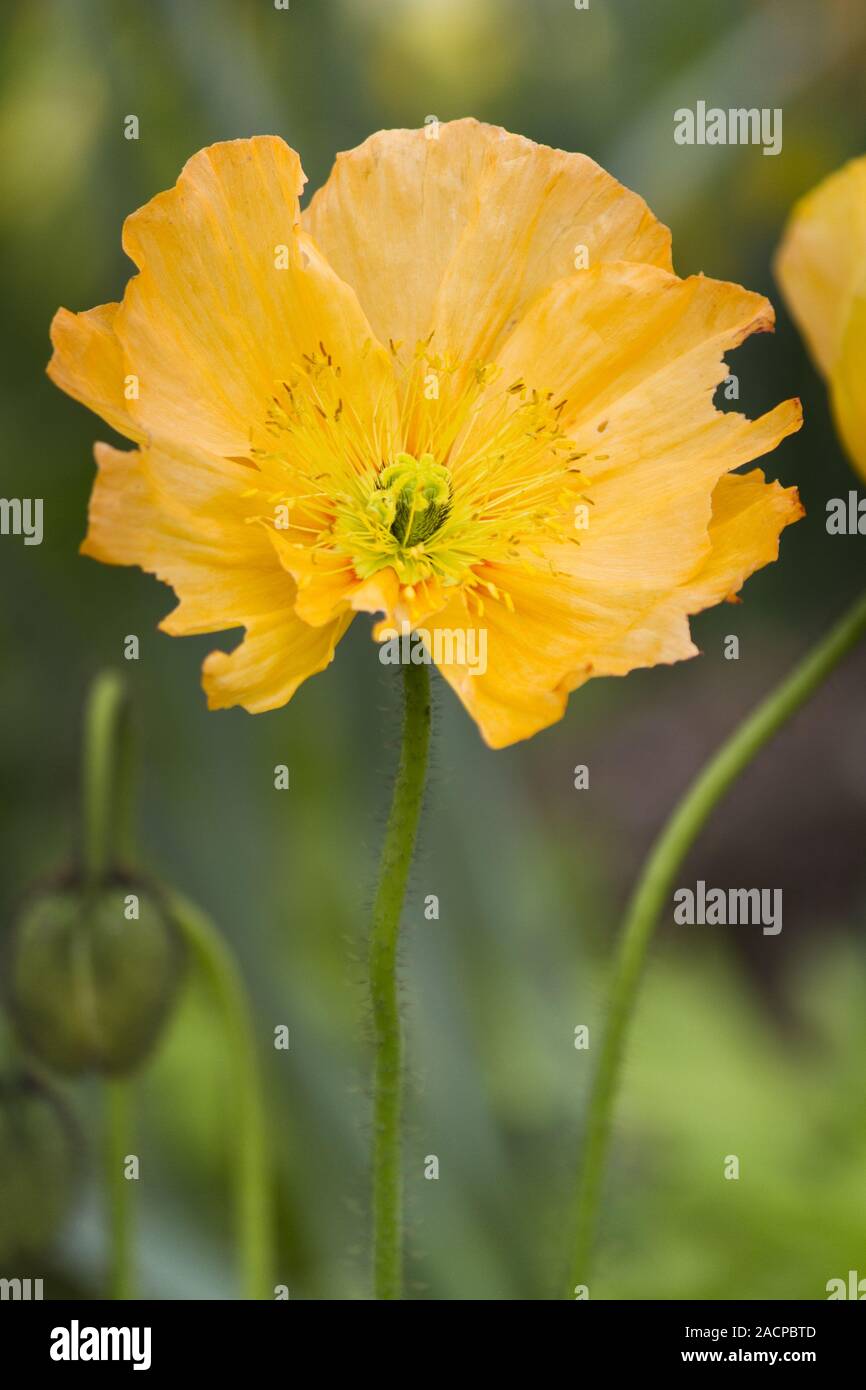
[
  {"x": 93, "y": 976},
  {"x": 38, "y": 1164}
]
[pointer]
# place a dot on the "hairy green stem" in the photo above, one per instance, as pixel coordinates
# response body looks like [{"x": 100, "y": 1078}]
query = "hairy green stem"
[
  {"x": 650, "y": 893},
  {"x": 388, "y": 1072},
  {"x": 106, "y": 814},
  {"x": 253, "y": 1216}
]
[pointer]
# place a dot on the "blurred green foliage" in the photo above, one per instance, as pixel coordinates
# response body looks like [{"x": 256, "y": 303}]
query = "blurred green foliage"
[{"x": 753, "y": 1048}]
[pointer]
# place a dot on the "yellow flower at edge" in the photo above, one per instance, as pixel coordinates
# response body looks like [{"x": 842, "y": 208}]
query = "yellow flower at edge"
[
  {"x": 413, "y": 400},
  {"x": 821, "y": 267}
]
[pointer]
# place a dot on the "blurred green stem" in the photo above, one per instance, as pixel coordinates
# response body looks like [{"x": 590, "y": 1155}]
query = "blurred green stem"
[
  {"x": 653, "y": 888},
  {"x": 253, "y": 1217},
  {"x": 118, "y": 1108},
  {"x": 107, "y": 813},
  {"x": 388, "y": 1074},
  {"x": 107, "y": 777}
]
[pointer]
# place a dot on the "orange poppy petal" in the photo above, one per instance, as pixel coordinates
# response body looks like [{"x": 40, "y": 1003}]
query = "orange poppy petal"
[
  {"x": 221, "y": 570},
  {"x": 556, "y": 633},
  {"x": 821, "y": 266},
  {"x": 636, "y": 354},
  {"x": 749, "y": 515},
  {"x": 278, "y": 653},
  {"x": 848, "y": 385},
  {"x": 225, "y": 576},
  {"x": 821, "y": 262},
  {"x": 88, "y": 364},
  {"x": 461, "y": 231},
  {"x": 230, "y": 296}
]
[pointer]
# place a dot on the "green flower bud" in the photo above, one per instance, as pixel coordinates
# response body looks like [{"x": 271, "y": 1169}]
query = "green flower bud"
[
  {"x": 92, "y": 976},
  {"x": 39, "y": 1152}
]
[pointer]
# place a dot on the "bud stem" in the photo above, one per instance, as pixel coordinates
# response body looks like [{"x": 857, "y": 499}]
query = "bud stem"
[
  {"x": 106, "y": 812},
  {"x": 388, "y": 1078},
  {"x": 118, "y": 1105},
  {"x": 253, "y": 1219},
  {"x": 107, "y": 777},
  {"x": 107, "y": 818},
  {"x": 652, "y": 888}
]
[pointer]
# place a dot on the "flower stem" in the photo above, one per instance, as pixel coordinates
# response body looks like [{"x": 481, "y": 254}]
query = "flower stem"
[
  {"x": 388, "y": 1073},
  {"x": 106, "y": 814},
  {"x": 252, "y": 1195},
  {"x": 652, "y": 889},
  {"x": 107, "y": 777},
  {"x": 118, "y": 1106}
]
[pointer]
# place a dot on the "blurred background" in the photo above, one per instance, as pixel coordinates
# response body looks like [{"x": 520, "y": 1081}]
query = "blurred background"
[{"x": 745, "y": 1044}]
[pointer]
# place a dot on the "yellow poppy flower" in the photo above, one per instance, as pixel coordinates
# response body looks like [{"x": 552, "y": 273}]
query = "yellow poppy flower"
[
  {"x": 463, "y": 390},
  {"x": 821, "y": 266}
]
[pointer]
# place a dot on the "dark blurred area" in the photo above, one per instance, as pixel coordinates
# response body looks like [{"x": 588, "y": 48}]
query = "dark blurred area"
[{"x": 745, "y": 1044}]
